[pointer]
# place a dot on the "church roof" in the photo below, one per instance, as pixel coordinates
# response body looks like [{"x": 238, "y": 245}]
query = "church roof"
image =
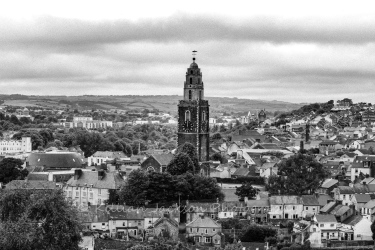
[{"x": 193, "y": 65}]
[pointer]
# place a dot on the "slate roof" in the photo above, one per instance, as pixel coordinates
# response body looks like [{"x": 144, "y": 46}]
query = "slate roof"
[
  {"x": 340, "y": 210},
  {"x": 325, "y": 218},
  {"x": 109, "y": 154},
  {"x": 24, "y": 184},
  {"x": 205, "y": 222},
  {"x": 37, "y": 176},
  {"x": 258, "y": 203},
  {"x": 324, "y": 199},
  {"x": 367, "y": 180},
  {"x": 353, "y": 220},
  {"x": 362, "y": 198},
  {"x": 310, "y": 200},
  {"x": 328, "y": 207},
  {"x": 285, "y": 200},
  {"x": 370, "y": 204},
  {"x": 329, "y": 183},
  {"x": 268, "y": 165},
  {"x": 111, "y": 180},
  {"x": 358, "y": 160},
  {"x": 163, "y": 159},
  {"x": 125, "y": 215},
  {"x": 241, "y": 172},
  {"x": 345, "y": 190},
  {"x": 56, "y": 160},
  {"x": 328, "y": 142},
  {"x": 269, "y": 146}
]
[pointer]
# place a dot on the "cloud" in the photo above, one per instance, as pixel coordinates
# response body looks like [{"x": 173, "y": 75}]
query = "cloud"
[{"x": 259, "y": 57}]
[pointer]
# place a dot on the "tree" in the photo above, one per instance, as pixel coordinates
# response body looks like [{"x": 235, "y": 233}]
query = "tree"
[
  {"x": 180, "y": 164},
  {"x": 257, "y": 233},
  {"x": 191, "y": 151},
  {"x": 373, "y": 230},
  {"x": 217, "y": 157},
  {"x": 246, "y": 190},
  {"x": 11, "y": 169},
  {"x": 41, "y": 219},
  {"x": 134, "y": 192},
  {"x": 299, "y": 174}
]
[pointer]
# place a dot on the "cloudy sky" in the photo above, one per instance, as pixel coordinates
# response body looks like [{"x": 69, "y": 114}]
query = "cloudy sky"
[{"x": 297, "y": 51}]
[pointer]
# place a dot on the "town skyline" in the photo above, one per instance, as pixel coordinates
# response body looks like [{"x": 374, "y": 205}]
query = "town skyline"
[{"x": 290, "y": 51}]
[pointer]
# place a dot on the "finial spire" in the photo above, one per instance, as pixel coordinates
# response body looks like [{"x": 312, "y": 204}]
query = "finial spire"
[{"x": 194, "y": 53}]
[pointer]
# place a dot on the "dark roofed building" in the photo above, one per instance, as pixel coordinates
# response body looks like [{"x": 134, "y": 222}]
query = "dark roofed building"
[
  {"x": 52, "y": 161},
  {"x": 157, "y": 163}
]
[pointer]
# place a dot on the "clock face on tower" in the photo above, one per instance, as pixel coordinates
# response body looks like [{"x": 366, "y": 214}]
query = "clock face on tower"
[{"x": 187, "y": 126}]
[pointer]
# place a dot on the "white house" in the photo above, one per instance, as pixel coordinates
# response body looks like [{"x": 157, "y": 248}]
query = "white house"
[
  {"x": 323, "y": 228},
  {"x": 91, "y": 187},
  {"x": 15, "y": 146},
  {"x": 356, "y": 228},
  {"x": 101, "y": 157},
  {"x": 286, "y": 207}
]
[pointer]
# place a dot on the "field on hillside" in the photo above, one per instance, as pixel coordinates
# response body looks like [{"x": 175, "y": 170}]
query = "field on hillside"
[{"x": 131, "y": 102}]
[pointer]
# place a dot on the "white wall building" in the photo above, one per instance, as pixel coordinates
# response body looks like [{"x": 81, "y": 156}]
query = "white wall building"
[{"x": 15, "y": 146}]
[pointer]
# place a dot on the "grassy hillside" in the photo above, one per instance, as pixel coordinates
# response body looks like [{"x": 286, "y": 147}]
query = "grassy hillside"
[{"x": 131, "y": 102}]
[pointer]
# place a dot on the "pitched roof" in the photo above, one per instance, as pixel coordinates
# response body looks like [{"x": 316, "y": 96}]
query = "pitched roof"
[
  {"x": 285, "y": 199},
  {"x": 37, "y": 176},
  {"x": 163, "y": 159},
  {"x": 340, "y": 210},
  {"x": 56, "y": 160},
  {"x": 353, "y": 220},
  {"x": 328, "y": 142},
  {"x": 329, "y": 183},
  {"x": 203, "y": 221},
  {"x": 24, "y": 184},
  {"x": 325, "y": 218},
  {"x": 110, "y": 180},
  {"x": 328, "y": 207},
  {"x": 370, "y": 204},
  {"x": 345, "y": 190},
  {"x": 109, "y": 154},
  {"x": 362, "y": 198},
  {"x": 258, "y": 203},
  {"x": 242, "y": 171},
  {"x": 358, "y": 160},
  {"x": 310, "y": 200}
]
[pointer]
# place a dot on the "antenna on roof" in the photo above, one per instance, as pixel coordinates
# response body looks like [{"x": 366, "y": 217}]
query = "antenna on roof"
[{"x": 194, "y": 53}]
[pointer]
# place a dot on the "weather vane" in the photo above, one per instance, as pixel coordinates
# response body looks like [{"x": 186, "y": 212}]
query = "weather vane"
[{"x": 194, "y": 53}]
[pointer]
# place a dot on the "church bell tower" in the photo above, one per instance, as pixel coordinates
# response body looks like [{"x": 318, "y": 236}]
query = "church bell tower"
[{"x": 193, "y": 113}]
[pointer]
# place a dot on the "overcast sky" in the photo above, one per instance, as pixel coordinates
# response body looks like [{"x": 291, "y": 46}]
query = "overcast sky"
[{"x": 296, "y": 51}]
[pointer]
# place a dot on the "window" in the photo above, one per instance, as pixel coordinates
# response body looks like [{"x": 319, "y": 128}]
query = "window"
[
  {"x": 208, "y": 240},
  {"x": 190, "y": 95},
  {"x": 294, "y": 208},
  {"x": 70, "y": 193},
  {"x": 124, "y": 224},
  {"x": 187, "y": 115},
  {"x": 343, "y": 196},
  {"x": 91, "y": 195},
  {"x": 332, "y": 225},
  {"x": 191, "y": 80},
  {"x": 206, "y": 231},
  {"x": 200, "y": 94},
  {"x": 321, "y": 225},
  {"x": 204, "y": 116},
  {"x": 99, "y": 191},
  {"x": 77, "y": 194},
  {"x": 84, "y": 194},
  {"x": 191, "y": 230},
  {"x": 307, "y": 208},
  {"x": 99, "y": 201},
  {"x": 114, "y": 222},
  {"x": 191, "y": 72},
  {"x": 213, "y": 230}
]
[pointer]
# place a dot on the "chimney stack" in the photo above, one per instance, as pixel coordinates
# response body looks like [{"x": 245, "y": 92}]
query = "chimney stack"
[
  {"x": 77, "y": 173},
  {"x": 100, "y": 174}
]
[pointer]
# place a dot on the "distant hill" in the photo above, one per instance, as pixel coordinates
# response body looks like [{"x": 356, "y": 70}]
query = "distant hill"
[{"x": 166, "y": 103}]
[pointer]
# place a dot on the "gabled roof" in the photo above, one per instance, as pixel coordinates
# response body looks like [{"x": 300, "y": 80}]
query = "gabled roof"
[
  {"x": 285, "y": 200},
  {"x": 370, "y": 204},
  {"x": 362, "y": 198},
  {"x": 258, "y": 203},
  {"x": 345, "y": 190},
  {"x": 353, "y": 220},
  {"x": 242, "y": 172},
  {"x": 328, "y": 207},
  {"x": 340, "y": 210},
  {"x": 328, "y": 142},
  {"x": 203, "y": 221},
  {"x": 325, "y": 218},
  {"x": 310, "y": 200},
  {"x": 110, "y": 180},
  {"x": 329, "y": 183},
  {"x": 163, "y": 159}
]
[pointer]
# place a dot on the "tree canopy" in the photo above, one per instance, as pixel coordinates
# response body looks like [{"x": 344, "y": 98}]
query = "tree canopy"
[
  {"x": 41, "y": 219},
  {"x": 142, "y": 186},
  {"x": 246, "y": 190},
  {"x": 11, "y": 169},
  {"x": 299, "y": 174}
]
